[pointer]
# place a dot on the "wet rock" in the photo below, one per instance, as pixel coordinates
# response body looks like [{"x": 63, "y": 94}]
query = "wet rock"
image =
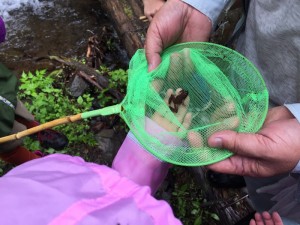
[
  {"x": 78, "y": 86},
  {"x": 107, "y": 133},
  {"x": 109, "y": 143}
]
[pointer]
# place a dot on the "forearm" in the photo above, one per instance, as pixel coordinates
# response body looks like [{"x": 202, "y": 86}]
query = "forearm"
[
  {"x": 135, "y": 163},
  {"x": 212, "y": 9}
]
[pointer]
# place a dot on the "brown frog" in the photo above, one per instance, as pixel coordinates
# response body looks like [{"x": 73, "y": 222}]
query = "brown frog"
[{"x": 177, "y": 100}]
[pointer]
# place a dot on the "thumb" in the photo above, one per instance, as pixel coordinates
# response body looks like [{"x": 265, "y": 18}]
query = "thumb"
[
  {"x": 153, "y": 47},
  {"x": 152, "y": 55},
  {"x": 243, "y": 144},
  {"x": 153, "y": 61}
]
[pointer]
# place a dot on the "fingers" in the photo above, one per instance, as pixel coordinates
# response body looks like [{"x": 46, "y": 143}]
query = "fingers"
[
  {"x": 225, "y": 124},
  {"x": 153, "y": 47},
  {"x": 266, "y": 219},
  {"x": 152, "y": 7},
  {"x": 226, "y": 115},
  {"x": 278, "y": 113},
  {"x": 180, "y": 65},
  {"x": 161, "y": 120},
  {"x": 232, "y": 165},
  {"x": 225, "y": 111},
  {"x": 252, "y": 222},
  {"x": 182, "y": 108},
  {"x": 195, "y": 139},
  {"x": 244, "y": 144},
  {"x": 186, "y": 123},
  {"x": 164, "y": 31},
  {"x": 182, "y": 116},
  {"x": 175, "y": 62},
  {"x": 157, "y": 84},
  {"x": 277, "y": 219},
  {"x": 231, "y": 123},
  {"x": 258, "y": 219}
]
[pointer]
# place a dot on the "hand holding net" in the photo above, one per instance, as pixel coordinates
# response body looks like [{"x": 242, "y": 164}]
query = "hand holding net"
[{"x": 198, "y": 89}]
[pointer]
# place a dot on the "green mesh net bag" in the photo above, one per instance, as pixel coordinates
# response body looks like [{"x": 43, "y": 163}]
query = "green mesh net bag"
[
  {"x": 215, "y": 87},
  {"x": 197, "y": 90}
]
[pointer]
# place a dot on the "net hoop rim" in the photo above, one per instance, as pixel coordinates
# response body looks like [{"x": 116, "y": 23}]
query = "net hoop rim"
[{"x": 201, "y": 45}]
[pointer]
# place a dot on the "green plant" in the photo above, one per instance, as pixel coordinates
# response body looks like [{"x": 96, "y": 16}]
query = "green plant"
[
  {"x": 110, "y": 44},
  {"x": 45, "y": 99},
  {"x": 117, "y": 80},
  {"x": 187, "y": 198}
]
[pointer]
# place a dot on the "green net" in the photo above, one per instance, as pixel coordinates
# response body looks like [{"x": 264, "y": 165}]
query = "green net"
[{"x": 198, "y": 89}]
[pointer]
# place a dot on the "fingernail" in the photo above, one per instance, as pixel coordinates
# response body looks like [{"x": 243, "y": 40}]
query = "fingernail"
[
  {"x": 150, "y": 67},
  {"x": 217, "y": 143}
]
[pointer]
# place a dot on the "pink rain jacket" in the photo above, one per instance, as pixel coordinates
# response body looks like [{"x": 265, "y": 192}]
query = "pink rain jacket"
[{"x": 64, "y": 190}]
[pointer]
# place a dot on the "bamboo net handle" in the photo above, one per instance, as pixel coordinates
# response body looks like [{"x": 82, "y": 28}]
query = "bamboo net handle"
[{"x": 41, "y": 127}]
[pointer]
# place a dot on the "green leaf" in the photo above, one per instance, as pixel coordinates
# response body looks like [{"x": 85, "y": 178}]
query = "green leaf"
[
  {"x": 80, "y": 100},
  {"x": 194, "y": 211},
  {"x": 50, "y": 151},
  {"x": 198, "y": 220},
  {"x": 195, "y": 204},
  {"x": 214, "y": 216}
]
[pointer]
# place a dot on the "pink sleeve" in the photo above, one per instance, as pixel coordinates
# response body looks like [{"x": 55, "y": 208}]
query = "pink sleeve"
[
  {"x": 137, "y": 164},
  {"x": 60, "y": 189}
]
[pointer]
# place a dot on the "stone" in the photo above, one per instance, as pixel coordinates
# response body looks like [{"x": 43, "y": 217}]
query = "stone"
[{"x": 78, "y": 86}]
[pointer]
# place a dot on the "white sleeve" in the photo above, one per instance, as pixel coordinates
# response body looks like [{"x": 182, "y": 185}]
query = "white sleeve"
[
  {"x": 210, "y": 8},
  {"x": 295, "y": 110}
]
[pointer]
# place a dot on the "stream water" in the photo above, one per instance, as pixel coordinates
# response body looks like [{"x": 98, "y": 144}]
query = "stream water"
[
  {"x": 37, "y": 28},
  {"x": 41, "y": 27}
]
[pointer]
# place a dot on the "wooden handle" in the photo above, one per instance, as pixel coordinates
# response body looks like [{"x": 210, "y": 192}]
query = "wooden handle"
[{"x": 41, "y": 127}]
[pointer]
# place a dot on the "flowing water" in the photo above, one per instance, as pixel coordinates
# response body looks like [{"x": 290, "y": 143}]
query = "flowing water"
[
  {"x": 41, "y": 27},
  {"x": 37, "y": 28}
]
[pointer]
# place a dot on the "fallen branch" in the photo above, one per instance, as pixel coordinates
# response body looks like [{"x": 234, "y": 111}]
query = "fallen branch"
[
  {"x": 88, "y": 74},
  {"x": 89, "y": 79},
  {"x": 116, "y": 94},
  {"x": 77, "y": 66}
]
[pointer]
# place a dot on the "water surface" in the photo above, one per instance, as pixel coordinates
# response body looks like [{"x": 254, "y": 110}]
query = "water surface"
[{"x": 37, "y": 28}]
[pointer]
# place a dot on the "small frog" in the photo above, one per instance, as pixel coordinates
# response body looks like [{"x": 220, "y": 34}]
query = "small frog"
[{"x": 177, "y": 100}]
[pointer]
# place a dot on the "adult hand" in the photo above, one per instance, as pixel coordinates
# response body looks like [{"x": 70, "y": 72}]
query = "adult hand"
[
  {"x": 175, "y": 22},
  {"x": 275, "y": 149},
  {"x": 151, "y": 7},
  {"x": 266, "y": 218}
]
